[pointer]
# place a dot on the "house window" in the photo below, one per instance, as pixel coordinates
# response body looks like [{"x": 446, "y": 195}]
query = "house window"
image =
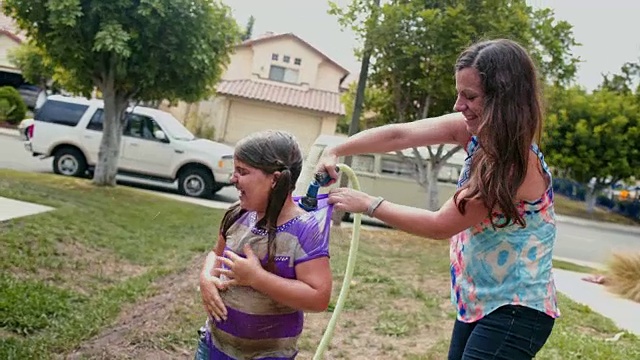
[
  {"x": 274, "y": 57},
  {"x": 279, "y": 73},
  {"x": 395, "y": 166},
  {"x": 363, "y": 163},
  {"x": 297, "y": 61},
  {"x": 286, "y": 58}
]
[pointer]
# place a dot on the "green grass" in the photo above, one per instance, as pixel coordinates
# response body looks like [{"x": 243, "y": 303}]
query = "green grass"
[
  {"x": 68, "y": 273},
  {"x": 565, "y": 206},
  {"x": 105, "y": 253},
  {"x": 566, "y": 265},
  {"x": 581, "y": 334}
]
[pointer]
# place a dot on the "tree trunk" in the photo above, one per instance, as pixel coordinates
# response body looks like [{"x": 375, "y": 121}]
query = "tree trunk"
[
  {"x": 591, "y": 198},
  {"x": 114, "y": 107},
  {"x": 421, "y": 165},
  {"x": 434, "y": 199},
  {"x": 436, "y": 165},
  {"x": 356, "y": 114}
]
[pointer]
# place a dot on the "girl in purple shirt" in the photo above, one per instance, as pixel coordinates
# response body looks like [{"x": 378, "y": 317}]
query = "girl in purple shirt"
[{"x": 271, "y": 261}]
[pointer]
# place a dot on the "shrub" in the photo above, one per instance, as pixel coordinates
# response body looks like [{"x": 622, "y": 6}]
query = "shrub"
[
  {"x": 629, "y": 208},
  {"x": 605, "y": 201},
  {"x": 199, "y": 125},
  {"x": 624, "y": 273},
  {"x": 12, "y": 107},
  {"x": 570, "y": 189}
]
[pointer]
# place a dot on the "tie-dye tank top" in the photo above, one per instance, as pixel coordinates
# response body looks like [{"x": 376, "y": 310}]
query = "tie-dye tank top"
[{"x": 512, "y": 265}]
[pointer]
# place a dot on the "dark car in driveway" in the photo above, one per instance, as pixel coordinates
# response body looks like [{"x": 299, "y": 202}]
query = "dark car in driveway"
[{"x": 30, "y": 95}]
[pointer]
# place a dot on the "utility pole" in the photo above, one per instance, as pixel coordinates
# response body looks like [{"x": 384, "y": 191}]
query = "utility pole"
[{"x": 357, "y": 105}]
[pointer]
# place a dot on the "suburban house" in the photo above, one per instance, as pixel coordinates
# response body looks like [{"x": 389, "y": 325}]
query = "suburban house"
[
  {"x": 10, "y": 38},
  {"x": 273, "y": 82}
]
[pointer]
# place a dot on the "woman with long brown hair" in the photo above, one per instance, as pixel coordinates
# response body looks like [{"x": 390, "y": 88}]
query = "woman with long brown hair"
[{"x": 500, "y": 222}]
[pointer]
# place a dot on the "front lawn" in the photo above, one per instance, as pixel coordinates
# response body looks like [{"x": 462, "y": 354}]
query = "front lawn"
[
  {"x": 67, "y": 274},
  {"x": 112, "y": 274},
  {"x": 565, "y": 206}
]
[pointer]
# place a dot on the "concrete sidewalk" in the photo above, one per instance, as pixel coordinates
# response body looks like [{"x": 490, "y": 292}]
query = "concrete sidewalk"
[
  {"x": 10, "y": 209},
  {"x": 624, "y": 313},
  {"x": 9, "y": 132}
]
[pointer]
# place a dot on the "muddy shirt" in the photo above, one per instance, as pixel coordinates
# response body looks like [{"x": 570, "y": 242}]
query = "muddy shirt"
[{"x": 258, "y": 327}]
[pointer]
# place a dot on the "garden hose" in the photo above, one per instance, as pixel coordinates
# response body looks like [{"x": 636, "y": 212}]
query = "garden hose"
[{"x": 348, "y": 274}]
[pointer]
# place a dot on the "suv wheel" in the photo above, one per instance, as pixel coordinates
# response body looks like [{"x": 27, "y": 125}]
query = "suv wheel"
[
  {"x": 69, "y": 162},
  {"x": 195, "y": 182}
]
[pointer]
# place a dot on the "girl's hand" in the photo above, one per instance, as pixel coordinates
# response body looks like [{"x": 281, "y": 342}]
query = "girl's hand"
[
  {"x": 241, "y": 271},
  {"x": 349, "y": 200},
  {"x": 209, "y": 291}
]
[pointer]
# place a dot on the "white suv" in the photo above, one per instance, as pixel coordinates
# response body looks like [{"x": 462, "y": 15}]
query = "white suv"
[{"x": 156, "y": 147}]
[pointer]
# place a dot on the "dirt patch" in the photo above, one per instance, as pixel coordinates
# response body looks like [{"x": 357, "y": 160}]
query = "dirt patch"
[
  {"x": 360, "y": 335},
  {"x": 82, "y": 269},
  {"x": 102, "y": 264},
  {"x": 137, "y": 333},
  {"x": 397, "y": 327},
  {"x": 391, "y": 315}
]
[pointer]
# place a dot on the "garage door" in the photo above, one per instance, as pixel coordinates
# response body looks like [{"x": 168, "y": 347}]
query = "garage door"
[{"x": 246, "y": 118}]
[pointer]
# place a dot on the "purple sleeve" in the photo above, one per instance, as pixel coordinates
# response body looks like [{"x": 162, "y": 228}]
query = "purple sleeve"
[{"x": 313, "y": 242}]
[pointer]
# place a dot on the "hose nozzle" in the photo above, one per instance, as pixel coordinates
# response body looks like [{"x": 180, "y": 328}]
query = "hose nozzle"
[{"x": 309, "y": 202}]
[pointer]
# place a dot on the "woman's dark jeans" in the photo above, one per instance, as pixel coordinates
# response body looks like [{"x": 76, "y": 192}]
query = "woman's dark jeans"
[{"x": 510, "y": 332}]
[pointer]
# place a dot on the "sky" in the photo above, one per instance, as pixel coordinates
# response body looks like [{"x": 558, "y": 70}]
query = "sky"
[{"x": 606, "y": 29}]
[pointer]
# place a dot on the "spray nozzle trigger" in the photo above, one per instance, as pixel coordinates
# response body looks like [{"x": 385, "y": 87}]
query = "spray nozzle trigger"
[
  {"x": 310, "y": 200},
  {"x": 323, "y": 178}
]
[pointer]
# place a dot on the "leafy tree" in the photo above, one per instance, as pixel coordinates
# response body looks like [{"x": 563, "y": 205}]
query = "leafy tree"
[
  {"x": 416, "y": 43},
  {"x": 33, "y": 63},
  {"x": 373, "y": 99},
  {"x": 37, "y": 68},
  {"x": 248, "y": 31},
  {"x": 130, "y": 50},
  {"x": 594, "y": 138},
  {"x": 626, "y": 82}
]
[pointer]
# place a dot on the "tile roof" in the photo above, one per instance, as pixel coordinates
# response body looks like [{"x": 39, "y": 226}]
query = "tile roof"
[
  {"x": 9, "y": 27},
  {"x": 311, "y": 99}
]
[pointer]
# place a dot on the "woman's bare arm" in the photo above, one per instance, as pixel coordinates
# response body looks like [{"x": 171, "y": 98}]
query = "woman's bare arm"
[{"x": 446, "y": 129}]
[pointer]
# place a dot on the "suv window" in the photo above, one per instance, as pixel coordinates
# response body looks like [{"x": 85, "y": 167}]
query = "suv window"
[
  {"x": 62, "y": 113},
  {"x": 96, "y": 121},
  {"x": 137, "y": 125},
  {"x": 141, "y": 127}
]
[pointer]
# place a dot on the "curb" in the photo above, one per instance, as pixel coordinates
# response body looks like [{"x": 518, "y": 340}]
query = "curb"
[
  {"x": 598, "y": 224},
  {"x": 593, "y": 265},
  {"x": 9, "y": 132}
]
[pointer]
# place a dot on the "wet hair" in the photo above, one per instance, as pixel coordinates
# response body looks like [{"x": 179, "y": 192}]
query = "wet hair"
[
  {"x": 511, "y": 122},
  {"x": 233, "y": 213},
  {"x": 269, "y": 151}
]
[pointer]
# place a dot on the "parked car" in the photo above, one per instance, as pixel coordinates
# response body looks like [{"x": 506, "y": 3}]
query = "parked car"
[
  {"x": 156, "y": 147},
  {"x": 32, "y": 95}
]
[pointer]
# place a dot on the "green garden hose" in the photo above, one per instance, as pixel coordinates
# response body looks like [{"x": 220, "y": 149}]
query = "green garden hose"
[{"x": 348, "y": 274}]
